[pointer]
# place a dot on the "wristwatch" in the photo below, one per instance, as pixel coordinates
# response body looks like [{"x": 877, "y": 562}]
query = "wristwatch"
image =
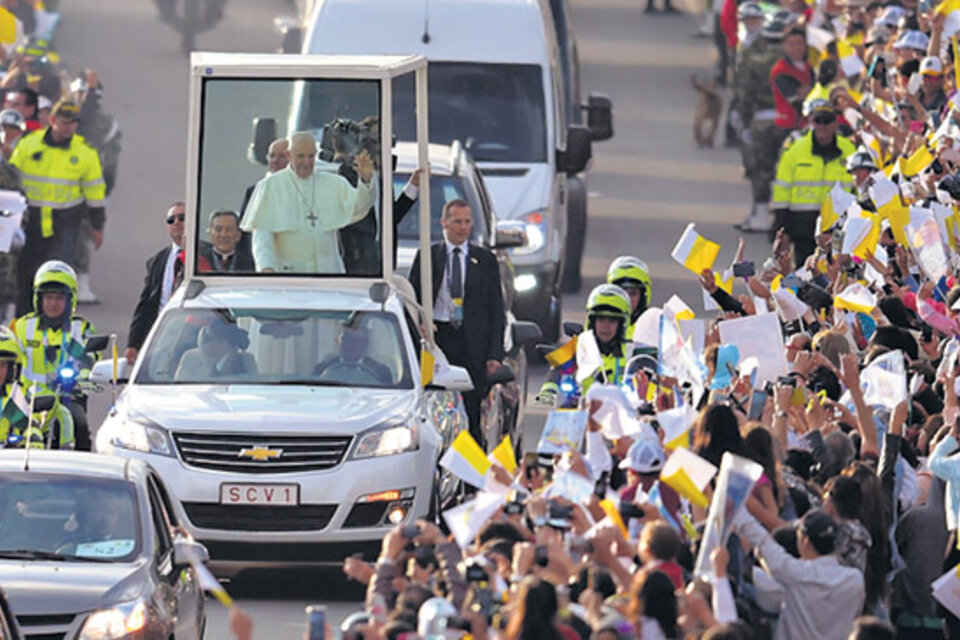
[{"x": 781, "y": 414}]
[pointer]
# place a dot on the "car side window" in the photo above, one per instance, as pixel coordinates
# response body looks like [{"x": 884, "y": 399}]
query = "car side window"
[{"x": 160, "y": 523}]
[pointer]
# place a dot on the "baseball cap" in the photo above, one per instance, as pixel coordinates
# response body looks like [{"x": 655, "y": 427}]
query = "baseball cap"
[
  {"x": 890, "y": 17},
  {"x": 67, "y": 110},
  {"x": 11, "y": 118},
  {"x": 818, "y": 105},
  {"x": 43, "y": 102},
  {"x": 819, "y": 526},
  {"x": 931, "y": 66},
  {"x": 912, "y": 39},
  {"x": 644, "y": 456}
]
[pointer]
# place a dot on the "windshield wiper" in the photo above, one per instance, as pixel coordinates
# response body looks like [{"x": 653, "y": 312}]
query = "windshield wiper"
[{"x": 37, "y": 554}]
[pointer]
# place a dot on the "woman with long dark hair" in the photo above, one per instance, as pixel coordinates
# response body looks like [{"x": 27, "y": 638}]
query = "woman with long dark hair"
[
  {"x": 717, "y": 431},
  {"x": 535, "y": 616},
  {"x": 653, "y": 605}
]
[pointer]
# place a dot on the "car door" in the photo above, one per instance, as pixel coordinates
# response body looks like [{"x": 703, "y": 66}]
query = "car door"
[{"x": 182, "y": 595}]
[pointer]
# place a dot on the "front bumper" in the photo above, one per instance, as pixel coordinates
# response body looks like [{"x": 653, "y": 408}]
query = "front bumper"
[{"x": 328, "y": 515}]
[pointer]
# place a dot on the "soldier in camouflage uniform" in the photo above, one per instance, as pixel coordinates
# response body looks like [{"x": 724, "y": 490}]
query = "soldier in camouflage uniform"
[{"x": 761, "y": 138}]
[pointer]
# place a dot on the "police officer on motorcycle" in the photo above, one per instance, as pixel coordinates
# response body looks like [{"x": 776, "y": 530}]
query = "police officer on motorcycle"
[
  {"x": 632, "y": 275},
  {"x": 608, "y": 316},
  {"x": 52, "y": 340}
]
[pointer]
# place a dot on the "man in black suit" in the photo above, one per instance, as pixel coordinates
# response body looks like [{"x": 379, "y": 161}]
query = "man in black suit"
[
  {"x": 158, "y": 285},
  {"x": 468, "y": 305},
  {"x": 224, "y": 252}
]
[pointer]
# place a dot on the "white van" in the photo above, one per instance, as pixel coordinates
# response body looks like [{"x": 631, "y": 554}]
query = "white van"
[{"x": 496, "y": 84}]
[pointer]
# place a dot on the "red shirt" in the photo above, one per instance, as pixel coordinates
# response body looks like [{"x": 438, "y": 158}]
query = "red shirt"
[
  {"x": 788, "y": 74},
  {"x": 33, "y": 125}
]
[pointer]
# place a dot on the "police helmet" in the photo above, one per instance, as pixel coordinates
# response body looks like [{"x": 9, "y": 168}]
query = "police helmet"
[
  {"x": 608, "y": 301},
  {"x": 774, "y": 29},
  {"x": 55, "y": 275},
  {"x": 434, "y": 617},
  {"x": 749, "y": 10},
  {"x": 12, "y": 118},
  {"x": 9, "y": 353},
  {"x": 788, "y": 17},
  {"x": 861, "y": 160},
  {"x": 629, "y": 272}
]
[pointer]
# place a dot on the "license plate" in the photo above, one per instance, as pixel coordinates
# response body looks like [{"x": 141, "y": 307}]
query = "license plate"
[{"x": 264, "y": 494}]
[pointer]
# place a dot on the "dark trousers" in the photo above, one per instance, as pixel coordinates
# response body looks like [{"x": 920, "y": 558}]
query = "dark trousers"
[
  {"x": 62, "y": 245},
  {"x": 454, "y": 343},
  {"x": 950, "y": 560},
  {"x": 800, "y": 228}
]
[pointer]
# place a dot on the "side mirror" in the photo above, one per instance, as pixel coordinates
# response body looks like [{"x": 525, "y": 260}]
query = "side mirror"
[
  {"x": 543, "y": 349},
  {"x": 579, "y": 150},
  {"x": 509, "y": 234},
  {"x": 102, "y": 371},
  {"x": 96, "y": 343},
  {"x": 572, "y": 328},
  {"x": 452, "y": 379},
  {"x": 187, "y": 552},
  {"x": 503, "y": 375},
  {"x": 525, "y": 333},
  {"x": 599, "y": 117},
  {"x": 264, "y": 132}
]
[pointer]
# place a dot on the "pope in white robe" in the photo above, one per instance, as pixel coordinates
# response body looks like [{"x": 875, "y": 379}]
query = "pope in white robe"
[{"x": 294, "y": 214}]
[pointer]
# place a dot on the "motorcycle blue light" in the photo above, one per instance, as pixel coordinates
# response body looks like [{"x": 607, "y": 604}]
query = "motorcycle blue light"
[
  {"x": 67, "y": 373},
  {"x": 568, "y": 387}
]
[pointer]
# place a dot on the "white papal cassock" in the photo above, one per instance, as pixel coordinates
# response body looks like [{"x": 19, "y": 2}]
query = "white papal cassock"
[{"x": 295, "y": 220}]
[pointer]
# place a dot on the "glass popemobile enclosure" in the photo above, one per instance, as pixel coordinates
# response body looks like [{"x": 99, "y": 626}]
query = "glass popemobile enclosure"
[{"x": 280, "y": 392}]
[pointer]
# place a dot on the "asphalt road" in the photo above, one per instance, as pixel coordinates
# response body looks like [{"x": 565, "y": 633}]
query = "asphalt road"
[{"x": 645, "y": 185}]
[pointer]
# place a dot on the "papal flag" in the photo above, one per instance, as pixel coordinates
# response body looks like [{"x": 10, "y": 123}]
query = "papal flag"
[
  {"x": 834, "y": 207},
  {"x": 688, "y": 474},
  {"x": 850, "y": 62},
  {"x": 466, "y": 460},
  {"x": 950, "y": 9},
  {"x": 695, "y": 252},
  {"x": 856, "y": 297},
  {"x": 917, "y": 161}
]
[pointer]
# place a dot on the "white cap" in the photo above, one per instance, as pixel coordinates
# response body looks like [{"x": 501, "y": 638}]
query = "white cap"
[
  {"x": 890, "y": 16},
  {"x": 931, "y": 66},
  {"x": 11, "y": 118},
  {"x": 43, "y": 102},
  {"x": 912, "y": 39},
  {"x": 645, "y": 456}
]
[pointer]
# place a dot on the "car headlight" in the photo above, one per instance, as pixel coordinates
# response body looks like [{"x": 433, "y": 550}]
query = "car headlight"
[
  {"x": 386, "y": 441},
  {"x": 116, "y": 622},
  {"x": 536, "y": 224},
  {"x": 137, "y": 435}
]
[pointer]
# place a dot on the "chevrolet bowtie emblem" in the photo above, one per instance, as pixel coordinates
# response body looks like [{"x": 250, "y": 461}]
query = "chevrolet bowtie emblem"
[{"x": 260, "y": 454}]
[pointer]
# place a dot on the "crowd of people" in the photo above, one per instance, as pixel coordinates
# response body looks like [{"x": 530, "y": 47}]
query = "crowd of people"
[{"x": 846, "y": 117}]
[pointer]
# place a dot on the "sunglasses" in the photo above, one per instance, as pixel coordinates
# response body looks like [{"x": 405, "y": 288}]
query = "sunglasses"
[
  {"x": 825, "y": 119},
  {"x": 176, "y": 218}
]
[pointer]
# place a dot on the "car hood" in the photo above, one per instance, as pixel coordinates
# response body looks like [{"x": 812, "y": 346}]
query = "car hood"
[
  {"x": 253, "y": 408},
  {"x": 517, "y": 195},
  {"x": 44, "y": 587}
]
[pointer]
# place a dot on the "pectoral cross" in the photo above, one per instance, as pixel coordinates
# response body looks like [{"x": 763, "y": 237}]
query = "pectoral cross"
[{"x": 312, "y": 218}]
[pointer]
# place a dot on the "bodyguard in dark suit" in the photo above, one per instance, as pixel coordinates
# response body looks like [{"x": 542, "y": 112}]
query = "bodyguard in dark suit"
[
  {"x": 226, "y": 252},
  {"x": 468, "y": 304},
  {"x": 158, "y": 285}
]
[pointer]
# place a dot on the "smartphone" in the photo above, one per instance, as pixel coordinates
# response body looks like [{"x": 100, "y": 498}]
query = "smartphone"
[
  {"x": 425, "y": 556},
  {"x": 744, "y": 269},
  {"x": 540, "y": 556},
  {"x": 757, "y": 402},
  {"x": 789, "y": 381},
  {"x": 475, "y": 573},
  {"x": 560, "y": 511},
  {"x": 316, "y": 621},
  {"x": 513, "y": 508},
  {"x": 630, "y": 510},
  {"x": 600, "y": 489},
  {"x": 410, "y": 531}
]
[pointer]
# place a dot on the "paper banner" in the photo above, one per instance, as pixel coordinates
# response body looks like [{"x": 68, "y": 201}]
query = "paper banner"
[
  {"x": 616, "y": 416},
  {"x": 563, "y": 431},
  {"x": 759, "y": 337}
]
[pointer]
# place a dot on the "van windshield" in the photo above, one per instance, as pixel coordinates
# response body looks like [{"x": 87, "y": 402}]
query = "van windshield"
[{"x": 496, "y": 110}]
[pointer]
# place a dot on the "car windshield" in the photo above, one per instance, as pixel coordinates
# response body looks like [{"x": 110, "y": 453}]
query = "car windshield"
[
  {"x": 277, "y": 346},
  {"x": 69, "y": 518},
  {"x": 442, "y": 190},
  {"x": 497, "y": 110}
]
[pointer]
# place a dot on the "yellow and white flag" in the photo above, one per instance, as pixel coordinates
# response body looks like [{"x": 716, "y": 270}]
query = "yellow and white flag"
[
  {"x": 688, "y": 474},
  {"x": 466, "y": 460},
  {"x": 856, "y": 297},
  {"x": 835, "y": 206},
  {"x": 675, "y": 424},
  {"x": 950, "y": 9},
  {"x": 466, "y": 520},
  {"x": 504, "y": 455},
  {"x": 676, "y": 307},
  {"x": 916, "y": 162},
  {"x": 850, "y": 62},
  {"x": 210, "y": 584},
  {"x": 695, "y": 252}
]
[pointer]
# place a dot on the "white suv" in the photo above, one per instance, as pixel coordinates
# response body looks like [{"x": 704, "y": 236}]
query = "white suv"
[{"x": 288, "y": 422}]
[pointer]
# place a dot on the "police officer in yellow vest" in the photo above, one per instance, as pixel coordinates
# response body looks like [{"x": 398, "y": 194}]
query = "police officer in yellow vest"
[
  {"x": 52, "y": 337},
  {"x": 604, "y": 343},
  {"x": 14, "y": 409},
  {"x": 632, "y": 275},
  {"x": 63, "y": 180},
  {"x": 808, "y": 170}
]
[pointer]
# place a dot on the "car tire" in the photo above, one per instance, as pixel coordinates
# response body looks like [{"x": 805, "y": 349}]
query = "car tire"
[
  {"x": 551, "y": 320},
  {"x": 576, "y": 235}
]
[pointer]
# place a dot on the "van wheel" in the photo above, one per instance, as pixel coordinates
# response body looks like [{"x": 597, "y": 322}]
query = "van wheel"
[{"x": 576, "y": 235}]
